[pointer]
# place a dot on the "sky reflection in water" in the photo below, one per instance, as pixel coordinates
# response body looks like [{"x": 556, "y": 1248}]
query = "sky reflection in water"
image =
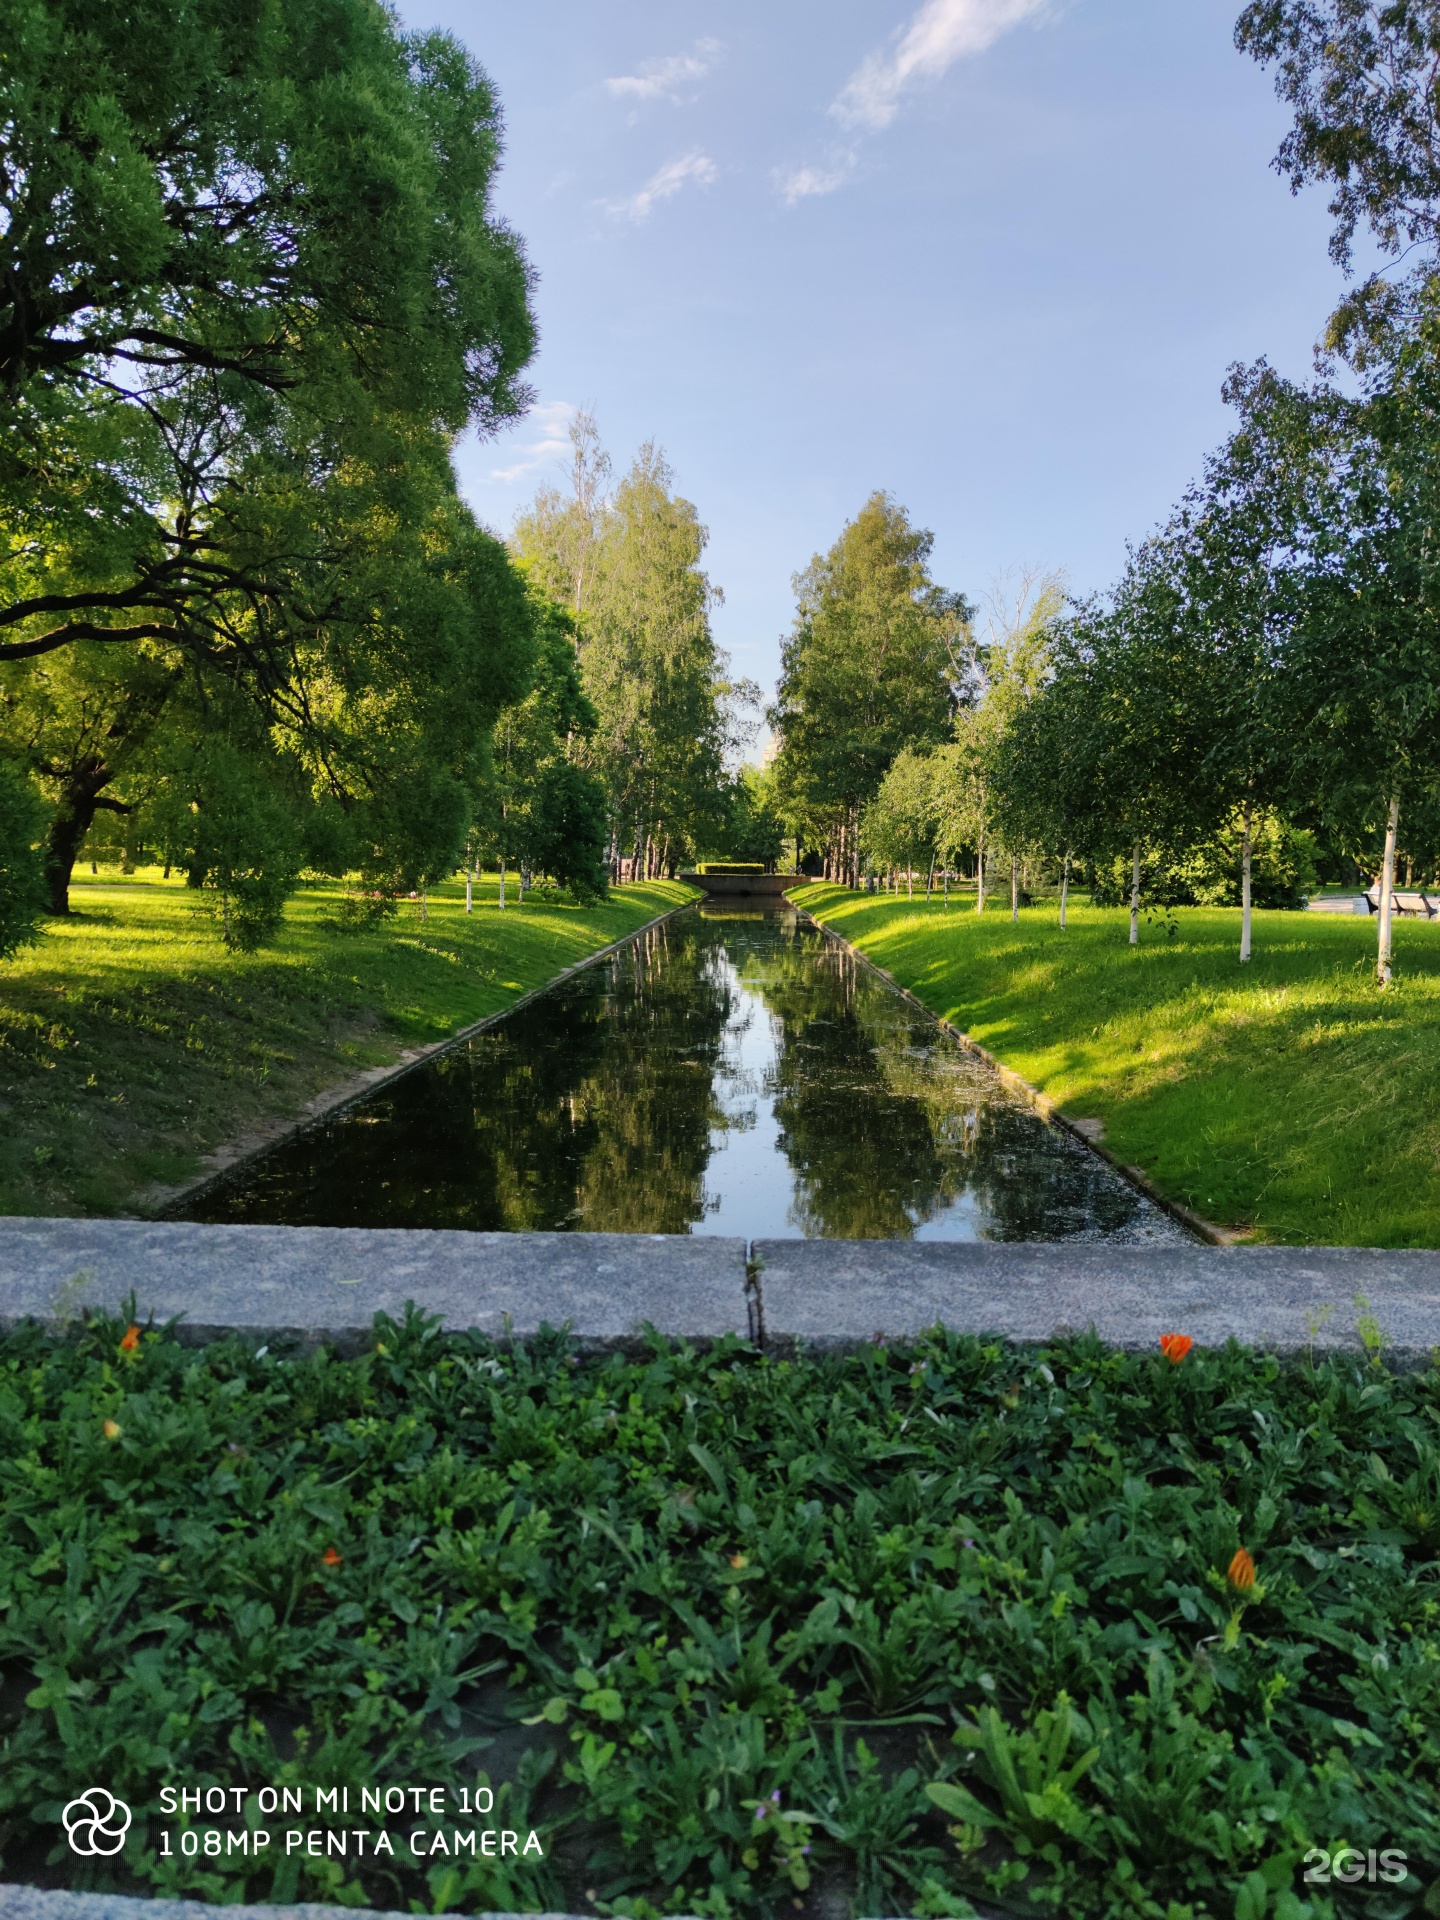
[{"x": 727, "y": 1073}]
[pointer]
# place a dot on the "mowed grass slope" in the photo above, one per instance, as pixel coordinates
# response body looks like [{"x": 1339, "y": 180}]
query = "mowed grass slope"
[
  {"x": 132, "y": 1043},
  {"x": 1290, "y": 1097}
]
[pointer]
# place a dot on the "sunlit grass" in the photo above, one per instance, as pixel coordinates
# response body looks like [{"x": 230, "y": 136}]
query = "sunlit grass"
[
  {"x": 132, "y": 1042},
  {"x": 1291, "y": 1097}
]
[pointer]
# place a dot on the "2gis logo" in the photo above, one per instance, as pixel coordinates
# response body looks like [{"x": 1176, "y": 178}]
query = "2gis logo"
[
  {"x": 96, "y": 1823},
  {"x": 1350, "y": 1866}
]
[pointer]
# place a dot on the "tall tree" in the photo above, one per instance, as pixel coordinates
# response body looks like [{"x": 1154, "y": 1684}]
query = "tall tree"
[
  {"x": 548, "y": 812},
  {"x": 628, "y": 565},
  {"x": 250, "y": 284},
  {"x": 296, "y": 198},
  {"x": 874, "y": 663}
]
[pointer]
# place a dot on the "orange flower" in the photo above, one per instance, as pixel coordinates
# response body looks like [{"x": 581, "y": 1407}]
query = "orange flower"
[
  {"x": 1241, "y": 1573},
  {"x": 330, "y": 1558},
  {"x": 112, "y": 1429},
  {"x": 130, "y": 1340},
  {"x": 1175, "y": 1346},
  {"x": 739, "y": 1560}
]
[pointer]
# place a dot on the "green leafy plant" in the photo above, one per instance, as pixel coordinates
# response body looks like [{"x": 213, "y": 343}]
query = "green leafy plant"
[{"x": 936, "y": 1628}]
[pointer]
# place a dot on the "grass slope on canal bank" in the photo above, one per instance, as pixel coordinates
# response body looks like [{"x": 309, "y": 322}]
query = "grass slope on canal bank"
[
  {"x": 1291, "y": 1097},
  {"x": 132, "y": 1043}
]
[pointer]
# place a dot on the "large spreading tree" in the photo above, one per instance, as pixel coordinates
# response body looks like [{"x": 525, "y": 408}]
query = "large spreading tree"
[{"x": 250, "y": 286}]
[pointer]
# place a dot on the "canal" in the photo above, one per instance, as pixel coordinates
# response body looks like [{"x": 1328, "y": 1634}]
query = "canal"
[{"x": 731, "y": 1071}]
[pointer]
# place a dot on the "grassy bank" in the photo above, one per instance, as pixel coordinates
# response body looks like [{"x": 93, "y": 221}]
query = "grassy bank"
[
  {"x": 1290, "y": 1097},
  {"x": 132, "y": 1043},
  {"x": 711, "y": 1625}
]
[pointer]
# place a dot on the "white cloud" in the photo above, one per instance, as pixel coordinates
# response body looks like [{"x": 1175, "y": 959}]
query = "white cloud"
[
  {"x": 804, "y": 183},
  {"x": 546, "y": 431},
  {"x": 664, "y": 79},
  {"x": 674, "y": 175},
  {"x": 942, "y": 32}
]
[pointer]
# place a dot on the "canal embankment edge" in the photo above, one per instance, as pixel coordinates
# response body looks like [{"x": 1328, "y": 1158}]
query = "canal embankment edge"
[
  {"x": 225, "y": 1161},
  {"x": 313, "y": 1286},
  {"x": 1136, "y": 1177}
]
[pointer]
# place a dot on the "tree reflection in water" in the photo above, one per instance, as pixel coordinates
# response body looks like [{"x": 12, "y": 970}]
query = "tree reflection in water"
[{"x": 729, "y": 1071}]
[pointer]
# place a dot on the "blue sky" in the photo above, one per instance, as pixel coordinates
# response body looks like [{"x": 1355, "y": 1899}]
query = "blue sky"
[{"x": 992, "y": 255}]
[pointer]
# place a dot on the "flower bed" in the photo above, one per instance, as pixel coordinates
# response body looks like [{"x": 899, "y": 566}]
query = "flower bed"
[{"x": 1067, "y": 1632}]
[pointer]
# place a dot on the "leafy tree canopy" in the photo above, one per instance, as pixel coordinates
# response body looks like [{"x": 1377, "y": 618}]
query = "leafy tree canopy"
[{"x": 876, "y": 662}]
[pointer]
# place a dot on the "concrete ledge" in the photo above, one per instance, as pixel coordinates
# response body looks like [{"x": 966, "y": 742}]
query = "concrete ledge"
[
  {"x": 325, "y": 1284},
  {"x": 838, "y": 1294},
  {"x": 38, "y": 1903}
]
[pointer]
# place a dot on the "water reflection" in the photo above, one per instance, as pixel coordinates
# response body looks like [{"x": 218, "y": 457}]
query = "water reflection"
[{"x": 729, "y": 1072}]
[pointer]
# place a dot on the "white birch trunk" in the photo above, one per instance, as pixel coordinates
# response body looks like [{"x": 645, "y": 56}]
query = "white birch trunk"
[
  {"x": 1245, "y": 891},
  {"x": 468, "y": 901},
  {"x": 1387, "y": 884},
  {"x": 502, "y": 882},
  {"x": 1135, "y": 896},
  {"x": 1064, "y": 888}
]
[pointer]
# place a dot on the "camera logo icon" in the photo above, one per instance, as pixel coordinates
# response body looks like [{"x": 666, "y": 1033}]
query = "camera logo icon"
[{"x": 97, "y": 1822}]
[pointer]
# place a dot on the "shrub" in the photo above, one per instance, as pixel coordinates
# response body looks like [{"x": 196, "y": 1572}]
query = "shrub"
[{"x": 22, "y": 873}]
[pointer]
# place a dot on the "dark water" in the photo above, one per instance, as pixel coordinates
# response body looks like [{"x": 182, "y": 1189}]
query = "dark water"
[{"x": 730, "y": 1072}]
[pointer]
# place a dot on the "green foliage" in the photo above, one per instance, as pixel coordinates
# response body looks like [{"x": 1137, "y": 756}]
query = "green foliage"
[
  {"x": 909, "y": 1625},
  {"x": 224, "y": 465},
  {"x": 227, "y": 821},
  {"x": 875, "y": 664},
  {"x": 752, "y": 831},
  {"x": 546, "y": 811},
  {"x": 627, "y": 565},
  {"x": 22, "y": 893},
  {"x": 900, "y": 826}
]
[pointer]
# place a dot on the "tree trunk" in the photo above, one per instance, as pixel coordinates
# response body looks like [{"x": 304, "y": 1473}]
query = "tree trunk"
[
  {"x": 980, "y": 875},
  {"x": 930, "y": 878},
  {"x": 1245, "y": 890},
  {"x": 79, "y": 802},
  {"x": 909, "y": 881},
  {"x": 1387, "y": 885},
  {"x": 1014, "y": 889},
  {"x": 502, "y": 882},
  {"x": 1135, "y": 897},
  {"x": 1064, "y": 888},
  {"x": 468, "y": 902},
  {"x": 945, "y": 881}
]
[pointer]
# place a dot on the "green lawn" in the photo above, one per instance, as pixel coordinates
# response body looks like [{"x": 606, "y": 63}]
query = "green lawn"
[
  {"x": 132, "y": 1043},
  {"x": 1290, "y": 1097}
]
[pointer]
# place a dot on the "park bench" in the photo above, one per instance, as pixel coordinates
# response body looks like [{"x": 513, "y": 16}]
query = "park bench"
[{"x": 1413, "y": 906}]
